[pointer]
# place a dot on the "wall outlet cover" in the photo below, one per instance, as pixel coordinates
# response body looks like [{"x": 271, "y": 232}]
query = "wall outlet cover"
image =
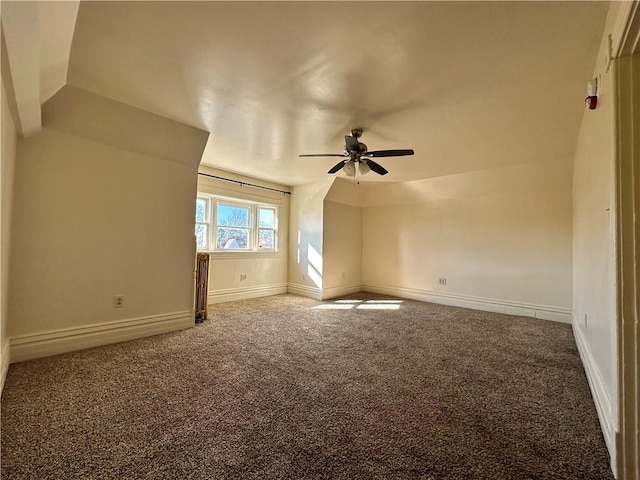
[{"x": 118, "y": 301}]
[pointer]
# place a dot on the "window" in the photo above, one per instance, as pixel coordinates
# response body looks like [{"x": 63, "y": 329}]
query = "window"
[
  {"x": 235, "y": 225},
  {"x": 233, "y": 231},
  {"x": 267, "y": 227},
  {"x": 202, "y": 225}
]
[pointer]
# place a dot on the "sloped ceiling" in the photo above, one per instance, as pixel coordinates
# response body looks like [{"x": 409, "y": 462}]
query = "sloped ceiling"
[
  {"x": 35, "y": 55},
  {"x": 468, "y": 86},
  {"x": 56, "y": 21}
]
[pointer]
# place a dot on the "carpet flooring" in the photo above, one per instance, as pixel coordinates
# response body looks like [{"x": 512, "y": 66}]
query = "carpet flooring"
[{"x": 285, "y": 387}]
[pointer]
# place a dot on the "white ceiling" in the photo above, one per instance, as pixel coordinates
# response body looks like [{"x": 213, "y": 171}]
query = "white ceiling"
[{"x": 469, "y": 86}]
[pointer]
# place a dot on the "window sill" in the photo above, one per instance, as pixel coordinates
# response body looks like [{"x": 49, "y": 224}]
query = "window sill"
[{"x": 236, "y": 255}]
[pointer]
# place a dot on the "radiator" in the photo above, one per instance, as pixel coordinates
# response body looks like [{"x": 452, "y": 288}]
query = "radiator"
[{"x": 202, "y": 286}]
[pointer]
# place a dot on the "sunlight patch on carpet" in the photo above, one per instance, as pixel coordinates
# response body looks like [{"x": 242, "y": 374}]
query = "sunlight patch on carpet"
[{"x": 360, "y": 304}]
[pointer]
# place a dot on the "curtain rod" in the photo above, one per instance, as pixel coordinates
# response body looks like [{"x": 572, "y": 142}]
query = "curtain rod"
[{"x": 245, "y": 183}]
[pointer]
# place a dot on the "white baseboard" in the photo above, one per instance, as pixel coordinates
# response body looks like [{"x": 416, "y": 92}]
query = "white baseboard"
[
  {"x": 304, "y": 291},
  {"x": 4, "y": 364},
  {"x": 545, "y": 312},
  {"x": 243, "y": 293},
  {"x": 340, "y": 290},
  {"x": 27, "y": 347},
  {"x": 601, "y": 397}
]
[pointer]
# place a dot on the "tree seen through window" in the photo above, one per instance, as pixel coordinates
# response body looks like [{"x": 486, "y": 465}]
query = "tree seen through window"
[{"x": 233, "y": 227}]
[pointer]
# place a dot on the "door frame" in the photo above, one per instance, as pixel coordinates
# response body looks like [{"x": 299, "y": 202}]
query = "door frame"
[{"x": 625, "y": 54}]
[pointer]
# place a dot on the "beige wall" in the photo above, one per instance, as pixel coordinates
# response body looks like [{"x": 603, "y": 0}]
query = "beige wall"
[
  {"x": 594, "y": 308},
  {"x": 265, "y": 272},
  {"x": 92, "y": 220},
  {"x": 6, "y": 201},
  {"x": 501, "y": 239},
  {"x": 342, "y": 238},
  {"x": 342, "y": 259}
]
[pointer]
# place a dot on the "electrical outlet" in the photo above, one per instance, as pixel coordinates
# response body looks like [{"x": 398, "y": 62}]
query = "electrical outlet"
[
  {"x": 586, "y": 320},
  {"x": 344, "y": 275},
  {"x": 442, "y": 281},
  {"x": 304, "y": 277},
  {"x": 243, "y": 277},
  {"x": 118, "y": 301}
]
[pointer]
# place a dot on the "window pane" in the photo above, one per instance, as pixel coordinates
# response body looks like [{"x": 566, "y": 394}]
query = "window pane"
[
  {"x": 266, "y": 239},
  {"x": 232, "y": 216},
  {"x": 267, "y": 217},
  {"x": 201, "y": 236},
  {"x": 201, "y": 210},
  {"x": 232, "y": 238}
]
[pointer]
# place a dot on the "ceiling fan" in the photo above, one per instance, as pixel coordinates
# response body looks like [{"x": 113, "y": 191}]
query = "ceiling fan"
[{"x": 356, "y": 156}]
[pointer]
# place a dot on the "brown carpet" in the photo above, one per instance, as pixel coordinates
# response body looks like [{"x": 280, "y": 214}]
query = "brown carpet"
[{"x": 289, "y": 387}]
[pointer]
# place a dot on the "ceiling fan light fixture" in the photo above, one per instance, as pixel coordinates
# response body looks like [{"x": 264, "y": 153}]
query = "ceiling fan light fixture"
[
  {"x": 350, "y": 168},
  {"x": 357, "y": 152}
]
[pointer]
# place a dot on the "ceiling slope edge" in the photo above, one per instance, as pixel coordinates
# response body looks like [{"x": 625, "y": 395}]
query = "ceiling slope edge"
[
  {"x": 81, "y": 113},
  {"x": 19, "y": 23}
]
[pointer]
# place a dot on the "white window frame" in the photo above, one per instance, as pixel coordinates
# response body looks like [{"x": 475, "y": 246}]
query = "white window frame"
[
  {"x": 207, "y": 221},
  {"x": 217, "y": 201},
  {"x": 273, "y": 229},
  {"x": 253, "y": 229}
]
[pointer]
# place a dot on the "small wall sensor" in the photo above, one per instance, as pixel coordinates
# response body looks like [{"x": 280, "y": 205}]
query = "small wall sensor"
[{"x": 592, "y": 93}]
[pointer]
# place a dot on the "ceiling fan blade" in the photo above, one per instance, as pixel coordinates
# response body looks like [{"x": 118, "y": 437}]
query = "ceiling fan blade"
[
  {"x": 337, "y": 167},
  {"x": 351, "y": 142},
  {"x": 389, "y": 153},
  {"x": 376, "y": 167},
  {"x": 322, "y": 155}
]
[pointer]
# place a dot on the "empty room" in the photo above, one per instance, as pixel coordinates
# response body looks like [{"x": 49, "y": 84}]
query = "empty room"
[{"x": 319, "y": 240}]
